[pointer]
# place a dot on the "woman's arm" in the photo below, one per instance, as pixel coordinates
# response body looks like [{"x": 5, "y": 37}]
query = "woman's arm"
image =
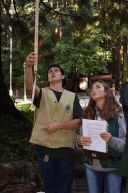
[{"x": 118, "y": 143}]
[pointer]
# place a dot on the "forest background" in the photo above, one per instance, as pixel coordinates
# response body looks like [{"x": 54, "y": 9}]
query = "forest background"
[{"x": 84, "y": 37}]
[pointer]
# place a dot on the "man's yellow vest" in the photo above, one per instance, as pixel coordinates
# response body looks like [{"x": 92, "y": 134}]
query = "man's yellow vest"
[{"x": 52, "y": 111}]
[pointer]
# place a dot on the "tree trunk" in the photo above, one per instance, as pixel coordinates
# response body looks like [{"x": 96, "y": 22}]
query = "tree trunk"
[{"x": 6, "y": 104}]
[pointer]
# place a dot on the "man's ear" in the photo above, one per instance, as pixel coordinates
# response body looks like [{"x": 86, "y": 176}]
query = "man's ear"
[{"x": 63, "y": 76}]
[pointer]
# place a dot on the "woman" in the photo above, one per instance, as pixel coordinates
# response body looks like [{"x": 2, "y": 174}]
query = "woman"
[{"x": 103, "y": 106}]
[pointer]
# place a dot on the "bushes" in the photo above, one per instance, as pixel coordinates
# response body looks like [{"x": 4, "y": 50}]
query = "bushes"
[
  {"x": 26, "y": 110},
  {"x": 14, "y": 136}
]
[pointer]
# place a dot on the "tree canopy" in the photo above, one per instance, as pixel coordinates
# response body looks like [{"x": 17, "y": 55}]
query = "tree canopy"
[{"x": 83, "y": 36}]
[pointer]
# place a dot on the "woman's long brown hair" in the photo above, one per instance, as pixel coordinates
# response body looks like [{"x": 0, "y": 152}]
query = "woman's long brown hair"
[{"x": 110, "y": 109}]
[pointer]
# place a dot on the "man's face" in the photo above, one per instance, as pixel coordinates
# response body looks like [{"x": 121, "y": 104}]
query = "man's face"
[{"x": 54, "y": 75}]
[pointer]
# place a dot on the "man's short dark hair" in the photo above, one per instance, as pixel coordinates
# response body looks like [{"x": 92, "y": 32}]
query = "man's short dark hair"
[{"x": 56, "y": 65}]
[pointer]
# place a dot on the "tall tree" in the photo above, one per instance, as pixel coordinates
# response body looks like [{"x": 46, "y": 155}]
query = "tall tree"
[
  {"x": 6, "y": 103},
  {"x": 69, "y": 31}
]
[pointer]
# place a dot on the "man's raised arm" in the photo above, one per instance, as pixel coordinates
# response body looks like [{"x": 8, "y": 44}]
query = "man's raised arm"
[{"x": 30, "y": 61}]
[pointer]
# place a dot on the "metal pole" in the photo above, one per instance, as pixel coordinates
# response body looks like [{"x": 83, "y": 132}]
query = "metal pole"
[
  {"x": 37, "y": 2},
  {"x": 25, "y": 96},
  {"x": 10, "y": 29}
]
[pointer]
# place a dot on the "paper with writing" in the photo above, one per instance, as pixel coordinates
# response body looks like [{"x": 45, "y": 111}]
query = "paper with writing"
[{"x": 93, "y": 129}]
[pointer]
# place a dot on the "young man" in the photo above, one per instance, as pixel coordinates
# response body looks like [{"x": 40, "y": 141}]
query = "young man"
[{"x": 57, "y": 117}]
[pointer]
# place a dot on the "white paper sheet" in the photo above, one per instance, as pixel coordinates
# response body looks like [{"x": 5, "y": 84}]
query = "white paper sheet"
[{"x": 93, "y": 129}]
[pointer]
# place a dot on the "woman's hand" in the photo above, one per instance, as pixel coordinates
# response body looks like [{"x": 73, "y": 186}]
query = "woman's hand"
[
  {"x": 84, "y": 140},
  {"x": 106, "y": 136}
]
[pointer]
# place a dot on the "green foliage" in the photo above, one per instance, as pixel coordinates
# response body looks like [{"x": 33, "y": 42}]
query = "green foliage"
[
  {"x": 14, "y": 138},
  {"x": 23, "y": 107},
  {"x": 26, "y": 110},
  {"x": 86, "y": 58},
  {"x": 16, "y": 149},
  {"x": 79, "y": 35}
]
